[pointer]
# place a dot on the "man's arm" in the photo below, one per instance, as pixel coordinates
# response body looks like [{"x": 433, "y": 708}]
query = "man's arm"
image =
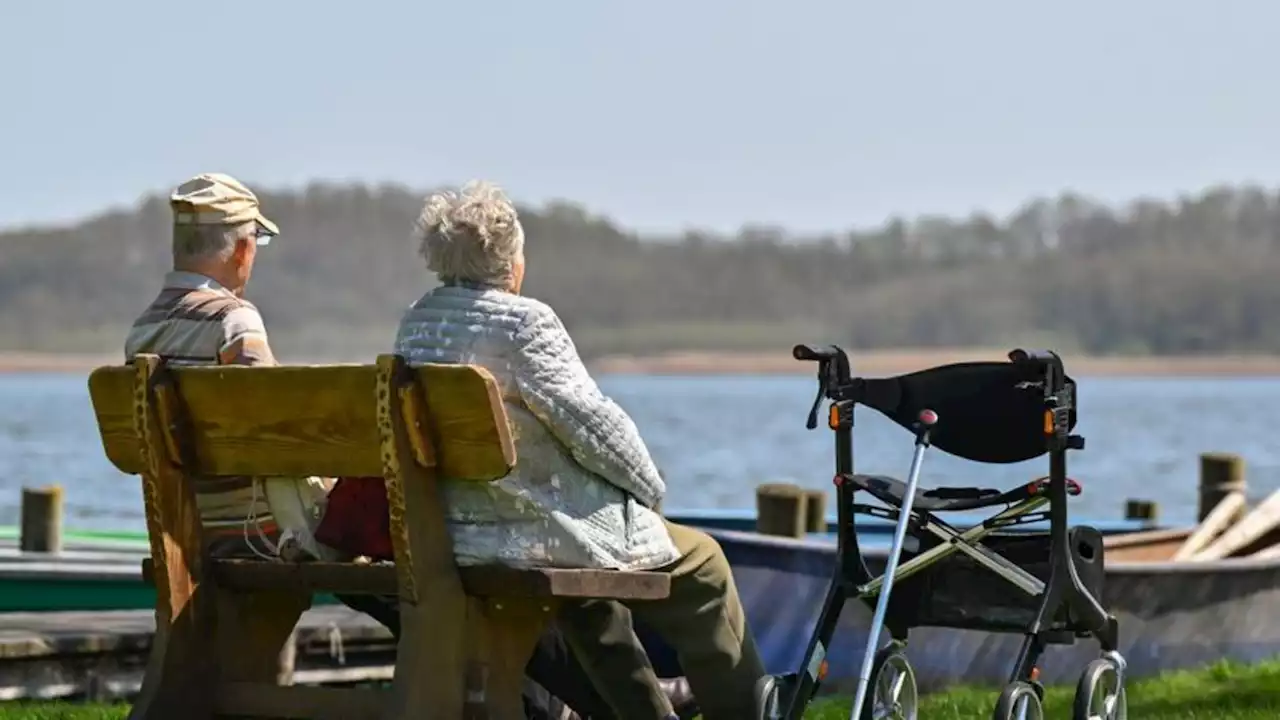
[
  {"x": 244, "y": 339},
  {"x": 557, "y": 388}
]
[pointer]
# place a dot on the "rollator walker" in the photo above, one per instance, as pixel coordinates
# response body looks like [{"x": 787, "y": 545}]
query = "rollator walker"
[{"x": 1049, "y": 582}]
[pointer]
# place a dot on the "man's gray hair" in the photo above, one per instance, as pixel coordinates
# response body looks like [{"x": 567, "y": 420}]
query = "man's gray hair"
[
  {"x": 474, "y": 236},
  {"x": 208, "y": 242}
]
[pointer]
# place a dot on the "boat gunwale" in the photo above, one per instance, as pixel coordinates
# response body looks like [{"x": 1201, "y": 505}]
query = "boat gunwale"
[{"x": 1180, "y": 567}]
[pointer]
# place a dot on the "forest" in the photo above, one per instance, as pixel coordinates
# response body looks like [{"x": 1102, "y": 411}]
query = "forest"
[{"x": 1194, "y": 275}]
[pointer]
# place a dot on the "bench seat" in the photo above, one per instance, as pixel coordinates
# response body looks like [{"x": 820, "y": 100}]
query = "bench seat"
[{"x": 246, "y": 575}]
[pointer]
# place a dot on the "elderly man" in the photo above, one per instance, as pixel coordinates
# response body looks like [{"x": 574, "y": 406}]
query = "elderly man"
[
  {"x": 584, "y": 490},
  {"x": 201, "y": 317}
]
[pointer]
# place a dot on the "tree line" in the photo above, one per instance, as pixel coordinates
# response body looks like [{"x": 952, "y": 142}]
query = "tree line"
[{"x": 1193, "y": 275}]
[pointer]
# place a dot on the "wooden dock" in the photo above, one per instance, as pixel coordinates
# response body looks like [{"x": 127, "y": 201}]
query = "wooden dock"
[{"x": 102, "y": 655}]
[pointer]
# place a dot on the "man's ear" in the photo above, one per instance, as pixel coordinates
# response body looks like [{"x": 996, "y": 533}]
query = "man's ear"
[{"x": 243, "y": 250}]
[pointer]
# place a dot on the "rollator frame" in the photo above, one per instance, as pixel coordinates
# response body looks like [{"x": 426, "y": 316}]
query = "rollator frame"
[{"x": 853, "y": 579}]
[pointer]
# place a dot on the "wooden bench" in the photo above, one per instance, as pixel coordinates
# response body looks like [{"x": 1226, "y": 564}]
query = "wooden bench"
[{"x": 221, "y": 623}]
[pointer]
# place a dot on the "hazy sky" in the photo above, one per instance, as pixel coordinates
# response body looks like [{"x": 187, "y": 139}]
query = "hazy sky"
[{"x": 815, "y": 114}]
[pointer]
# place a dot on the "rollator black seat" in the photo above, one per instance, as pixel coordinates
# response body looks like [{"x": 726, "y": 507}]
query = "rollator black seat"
[
  {"x": 893, "y": 491},
  {"x": 992, "y": 411}
]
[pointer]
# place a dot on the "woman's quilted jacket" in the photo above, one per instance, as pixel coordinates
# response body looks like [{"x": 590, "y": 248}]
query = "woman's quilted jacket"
[{"x": 584, "y": 487}]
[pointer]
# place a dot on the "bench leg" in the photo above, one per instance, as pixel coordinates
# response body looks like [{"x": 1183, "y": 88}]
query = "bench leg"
[
  {"x": 233, "y": 638},
  {"x": 501, "y": 635},
  {"x": 179, "y": 679},
  {"x": 430, "y": 657},
  {"x": 253, "y": 629}
]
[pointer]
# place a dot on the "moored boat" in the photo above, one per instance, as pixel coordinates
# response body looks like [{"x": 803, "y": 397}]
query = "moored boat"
[{"x": 1172, "y": 615}]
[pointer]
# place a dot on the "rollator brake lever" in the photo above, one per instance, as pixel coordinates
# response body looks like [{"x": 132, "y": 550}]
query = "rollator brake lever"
[
  {"x": 812, "y": 422},
  {"x": 833, "y": 369}
]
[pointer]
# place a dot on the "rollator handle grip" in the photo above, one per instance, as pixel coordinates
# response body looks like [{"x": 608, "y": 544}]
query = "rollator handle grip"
[
  {"x": 1046, "y": 361},
  {"x": 1038, "y": 357},
  {"x": 821, "y": 353}
]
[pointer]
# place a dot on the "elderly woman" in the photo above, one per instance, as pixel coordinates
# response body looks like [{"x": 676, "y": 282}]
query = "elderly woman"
[{"x": 584, "y": 490}]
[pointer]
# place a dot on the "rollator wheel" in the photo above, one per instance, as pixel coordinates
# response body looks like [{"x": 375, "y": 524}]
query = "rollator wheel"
[
  {"x": 768, "y": 699},
  {"x": 893, "y": 694},
  {"x": 1100, "y": 694},
  {"x": 1019, "y": 701}
]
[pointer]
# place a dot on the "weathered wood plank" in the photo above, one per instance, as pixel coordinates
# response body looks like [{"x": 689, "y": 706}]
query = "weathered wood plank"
[
  {"x": 479, "y": 581},
  {"x": 111, "y": 677},
  {"x": 1226, "y": 512},
  {"x": 500, "y": 638},
  {"x": 1143, "y": 546},
  {"x": 1268, "y": 552},
  {"x": 309, "y": 420},
  {"x": 430, "y": 672},
  {"x": 180, "y": 671},
  {"x": 1261, "y": 520},
  {"x": 472, "y": 437},
  {"x": 53, "y": 634}
]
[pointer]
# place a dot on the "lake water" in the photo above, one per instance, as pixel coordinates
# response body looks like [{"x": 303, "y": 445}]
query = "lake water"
[{"x": 716, "y": 438}]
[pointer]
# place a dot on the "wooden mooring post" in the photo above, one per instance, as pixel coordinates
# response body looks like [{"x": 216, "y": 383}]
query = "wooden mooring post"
[
  {"x": 1148, "y": 511},
  {"x": 815, "y": 511},
  {"x": 1221, "y": 474},
  {"x": 41, "y": 523},
  {"x": 781, "y": 509},
  {"x": 788, "y": 510}
]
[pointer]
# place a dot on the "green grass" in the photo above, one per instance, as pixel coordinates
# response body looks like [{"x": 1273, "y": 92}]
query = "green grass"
[
  {"x": 62, "y": 711},
  {"x": 1223, "y": 691}
]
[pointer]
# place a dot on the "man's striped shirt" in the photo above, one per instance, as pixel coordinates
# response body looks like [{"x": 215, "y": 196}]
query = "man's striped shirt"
[{"x": 196, "y": 321}]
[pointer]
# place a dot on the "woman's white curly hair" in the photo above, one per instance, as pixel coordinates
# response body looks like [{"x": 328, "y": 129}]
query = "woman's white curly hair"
[{"x": 472, "y": 236}]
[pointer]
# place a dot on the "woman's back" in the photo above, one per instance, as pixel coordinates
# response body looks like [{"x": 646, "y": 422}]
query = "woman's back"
[{"x": 550, "y": 511}]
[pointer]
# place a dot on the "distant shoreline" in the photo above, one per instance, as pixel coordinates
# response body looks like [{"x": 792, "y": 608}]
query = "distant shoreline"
[
  {"x": 896, "y": 362},
  {"x": 867, "y": 362}
]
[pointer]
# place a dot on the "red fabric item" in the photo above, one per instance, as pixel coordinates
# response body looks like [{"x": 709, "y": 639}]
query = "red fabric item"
[{"x": 356, "y": 518}]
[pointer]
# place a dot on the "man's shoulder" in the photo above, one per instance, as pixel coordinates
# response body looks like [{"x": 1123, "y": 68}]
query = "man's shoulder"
[
  {"x": 242, "y": 311},
  {"x": 243, "y": 304}
]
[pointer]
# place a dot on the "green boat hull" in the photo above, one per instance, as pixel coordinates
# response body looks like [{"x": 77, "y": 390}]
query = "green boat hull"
[
  {"x": 100, "y": 571},
  {"x": 69, "y": 592},
  {"x": 72, "y": 590}
]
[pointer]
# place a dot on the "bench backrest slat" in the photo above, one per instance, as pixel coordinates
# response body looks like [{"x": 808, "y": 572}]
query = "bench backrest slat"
[{"x": 310, "y": 420}]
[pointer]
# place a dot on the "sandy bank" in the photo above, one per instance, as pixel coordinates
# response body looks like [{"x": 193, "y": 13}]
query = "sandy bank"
[
  {"x": 870, "y": 362},
  {"x": 894, "y": 362},
  {"x": 53, "y": 362}
]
